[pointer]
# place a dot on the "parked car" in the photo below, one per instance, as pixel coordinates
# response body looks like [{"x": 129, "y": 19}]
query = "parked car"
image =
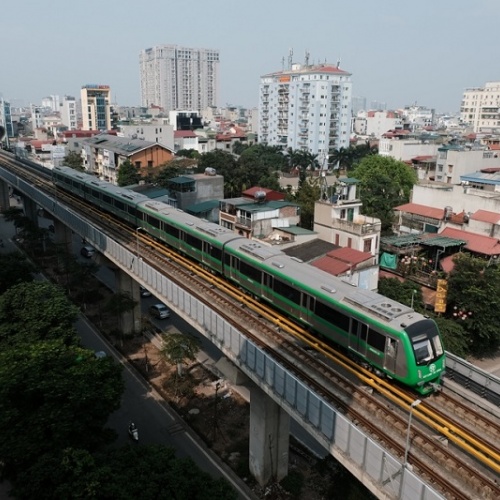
[
  {"x": 87, "y": 251},
  {"x": 144, "y": 292},
  {"x": 160, "y": 311}
]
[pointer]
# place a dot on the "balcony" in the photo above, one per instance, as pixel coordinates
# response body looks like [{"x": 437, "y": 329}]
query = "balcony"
[{"x": 362, "y": 225}]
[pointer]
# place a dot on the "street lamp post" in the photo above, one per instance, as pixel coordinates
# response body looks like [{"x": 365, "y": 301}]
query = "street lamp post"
[
  {"x": 413, "y": 292},
  {"x": 407, "y": 445}
]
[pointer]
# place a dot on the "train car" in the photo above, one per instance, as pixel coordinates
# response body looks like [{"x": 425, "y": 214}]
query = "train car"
[
  {"x": 389, "y": 336},
  {"x": 201, "y": 240}
]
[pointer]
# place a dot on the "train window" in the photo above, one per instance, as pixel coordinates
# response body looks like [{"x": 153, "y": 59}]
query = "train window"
[
  {"x": 95, "y": 194},
  {"x": 106, "y": 199},
  {"x": 86, "y": 189},
  {"x": 227, "y": 259},
  {"x": 132, "y": 211},
  {"x": 215, "y": 252},
  {"x": 286, "y": 291},
  {"x": 77, "y": 185},
  {"x": 333, "y": 316},
  {"x": 376, "y": 340},
  {"x": 193, "y": 241},
  {"x": 152, "y": 221},
  {"x": 171, "y": 230},
  {"x": 250, "y": 272},
  {"x": 120, "y": 205}
]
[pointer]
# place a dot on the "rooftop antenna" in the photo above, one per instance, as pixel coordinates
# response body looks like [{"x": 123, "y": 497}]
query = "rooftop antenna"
[
  {"x": 290, "y": 58},
  {"x": 306, "y": 59},
  {"x": 283, "y": 63},
  {"x": 338, "y": 62}
]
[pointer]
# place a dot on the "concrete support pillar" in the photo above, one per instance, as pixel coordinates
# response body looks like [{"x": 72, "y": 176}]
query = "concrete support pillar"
[
  {"x": 269, "y": 438},
  {"x": 63, "y": 237},
  {"x": 4, "y": 196},
  {"x": 31, "y": 210},
  {"x": 130, "y": 320}
]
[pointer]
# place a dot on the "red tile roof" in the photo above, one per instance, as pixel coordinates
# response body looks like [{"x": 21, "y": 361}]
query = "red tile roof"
[
  {"x": 477, "y": 243},
  {"x": 332, "y": 266},
  {"x": 423, "y": 210},
  {"x": 270, "y": 194},
  {"x": 349, "y": 255},
  {"x": 494, "y": 147},
  {"x": 423, "y": 158},
  {"x": 185, "y": 134},
  {"x": 341, "y": 260},
  {"x": 485, "y": 216}
]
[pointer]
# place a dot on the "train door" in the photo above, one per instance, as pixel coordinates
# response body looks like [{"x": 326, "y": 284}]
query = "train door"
[
  {"x": 307, "y": 306},
  {"x": 391, "y": 354},
  {"x": 357, "y": 337}
]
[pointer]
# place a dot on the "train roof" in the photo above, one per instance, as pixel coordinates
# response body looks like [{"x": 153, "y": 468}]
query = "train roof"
[
  {"x": 323, "y": 284},
  {"x": 171, "y": 214}
]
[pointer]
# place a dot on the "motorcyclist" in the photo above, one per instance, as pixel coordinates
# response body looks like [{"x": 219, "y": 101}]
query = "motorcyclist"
[{"x": 132, "y": 427}]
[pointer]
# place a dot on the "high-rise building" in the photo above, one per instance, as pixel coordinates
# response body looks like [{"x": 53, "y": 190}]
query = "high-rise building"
[
  {"x": 481, "y": 107},
  {"x": 6, "y": 120},
  {"x": 96, "y": 107},
  {"x": 69, "y": 112},
  {"x": 177, "y": 78},
  {"x": 307, "y": 108}
]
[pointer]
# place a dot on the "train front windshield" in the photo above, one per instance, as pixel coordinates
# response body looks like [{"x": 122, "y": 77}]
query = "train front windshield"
[{"x": 426, "y": 342}]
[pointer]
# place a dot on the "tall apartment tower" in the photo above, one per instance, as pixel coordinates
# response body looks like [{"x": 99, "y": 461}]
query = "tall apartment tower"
[
  {"x": 6, "y": 121},
  {"x": 96, "y": 107},
  {"x": 177, "y": 78},
  {"x": 481, "y": 107},
  {"x": 306, "y": 107},
  {"x": 69, "y": 114}
]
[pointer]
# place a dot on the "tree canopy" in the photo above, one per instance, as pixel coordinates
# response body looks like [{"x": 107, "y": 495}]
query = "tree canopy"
[
  {"x": 74, "y": 160},
  {"x": 14, "y": 269},
  {"x": 384, "y": 184},
  {"x": 128, "y": 174}
]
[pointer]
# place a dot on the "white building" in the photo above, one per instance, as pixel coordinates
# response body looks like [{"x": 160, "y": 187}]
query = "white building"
[
  {"x": 69, "y": 114},
  {"x": 6, "y": 120},
  {"x": 158, "y": 132},
  {"x": 376, "y": 123},
  {"x": 176, "y": 77},
  {"x": 51, "y": 102},
  {"x": 453, "y": 162},
  {"x": 481, "y": 107},
  {"x": 405, "y": 149},
  {"x": 418, "y": 117},
  {"x": 307, "y": 108},
  {"x": 96, "y": 107}
]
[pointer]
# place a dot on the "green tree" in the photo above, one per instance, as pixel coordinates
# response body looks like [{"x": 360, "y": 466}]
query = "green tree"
[
  {"x": 128, "y": 174},
  {"x": 406, "y": 292},
  {"x": 36, "y": 311},
  {"x": 120, "y": 474},
  {"x": 188, "y": 153},
  {"x": 53, "y": 396},
  {"x": 239, "y": 147},
  {"x": 222, "y": 161},
  {"x": 384, "y": 184},
  {"x": 74, "y": 160},
  {"x": 176, "y": 348},
  {"x": 455, "y": 337},
  {"x": 340, "y": 159},
  {"x": 306, "y": 196},
  {"x": 474, "y": 302},
  {"x": 14, "y": 269}
]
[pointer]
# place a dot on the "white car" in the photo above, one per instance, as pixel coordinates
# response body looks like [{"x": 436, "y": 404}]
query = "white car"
[
  {"x": 160, "y": 311},
  {"x": 144, "y": 292}
]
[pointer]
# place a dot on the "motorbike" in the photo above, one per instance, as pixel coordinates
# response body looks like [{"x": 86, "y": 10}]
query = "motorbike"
[{"x": 133, "y": 432}]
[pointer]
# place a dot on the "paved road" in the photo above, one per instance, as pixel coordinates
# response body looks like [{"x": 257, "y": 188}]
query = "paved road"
[{"x": 156, "y": 422}]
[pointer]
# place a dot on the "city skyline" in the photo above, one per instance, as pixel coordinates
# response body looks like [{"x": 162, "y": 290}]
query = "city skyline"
[{"x": 397, "y": 53}]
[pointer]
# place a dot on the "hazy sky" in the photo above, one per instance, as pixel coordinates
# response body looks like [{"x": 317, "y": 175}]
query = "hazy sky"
[{"x": 398, "y": 51}]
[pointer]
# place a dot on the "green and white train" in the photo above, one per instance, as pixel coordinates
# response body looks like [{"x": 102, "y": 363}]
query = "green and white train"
[{"x": 388, "y": 336}]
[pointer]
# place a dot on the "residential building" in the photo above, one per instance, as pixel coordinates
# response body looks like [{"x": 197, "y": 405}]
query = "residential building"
[
  {"x": 177, "y": 78},
  {"x": 6, "y": 121},
  {"x": 185, "y": 120},
  {"x": 404, "y": 146},
  {"x": 51, "y": 103},
  {"x": 338, "y": 220},
  {"x": 453, "y": 162},
  {"x": 155, "y": 131},
  {"x": 69, "y": 112},
  {"x": 376, "y": 123},
  {"x": 258, "y": 218},
  {"x": 480, "y": 107},
  {"x": 306, "y": 107},
  {"x": 185, "y": 139},
  {"x": 417, "y": 117},
  {"x": 96, "y": 107},
  {"x": 358, "y": 104},
  {"x": 104, "y": 153}
]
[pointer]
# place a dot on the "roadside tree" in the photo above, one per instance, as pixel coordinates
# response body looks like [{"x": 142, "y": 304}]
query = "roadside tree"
[{"x": 128, "y": 174}]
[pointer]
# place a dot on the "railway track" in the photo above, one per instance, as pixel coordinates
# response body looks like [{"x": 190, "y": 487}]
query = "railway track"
[{"x": 278, "y": 335}]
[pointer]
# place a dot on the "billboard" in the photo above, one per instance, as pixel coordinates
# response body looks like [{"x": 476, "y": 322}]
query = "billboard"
[{"x": 441, "y": 292}]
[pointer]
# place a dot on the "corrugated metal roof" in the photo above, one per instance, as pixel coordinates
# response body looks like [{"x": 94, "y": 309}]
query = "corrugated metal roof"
[
  {"x": 401, "y": 241},
  {"x": 442, "y": 241},
  {"x": 199, "y": 208},
  {"x": 296, "y": 230},
  {"x": 331, "y": 266},
  {"x": 482, "y": 178},
  {"x": 349, "y": 255}
]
